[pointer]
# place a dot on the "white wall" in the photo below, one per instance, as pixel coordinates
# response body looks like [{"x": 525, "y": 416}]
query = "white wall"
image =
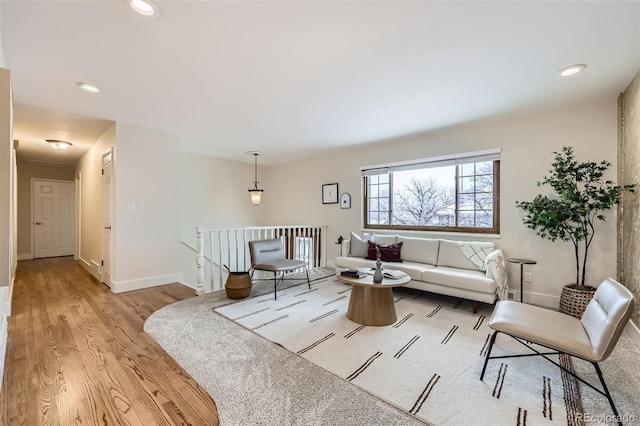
[
  {"x": 89, "y": 169},
  {"x": 3, "y": 61},
  {"x": 214, "y": 194},
  {"x": 147, "y": 240},
  {"x": 8, "y": 224},
  {"x": 527, "y": 144},
  {"x": 6, "y": 142}
]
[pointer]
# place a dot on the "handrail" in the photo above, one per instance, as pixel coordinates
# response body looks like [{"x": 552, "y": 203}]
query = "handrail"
[{"x": 229, "y": 246}]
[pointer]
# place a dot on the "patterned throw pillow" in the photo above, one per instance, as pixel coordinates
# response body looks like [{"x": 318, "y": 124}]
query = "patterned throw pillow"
[{"x": 388, "y": 253}]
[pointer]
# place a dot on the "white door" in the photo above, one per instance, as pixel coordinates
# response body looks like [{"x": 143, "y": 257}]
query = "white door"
[
  {"x": 54, "y": 218},
  {"x": 107, "y": 181}
]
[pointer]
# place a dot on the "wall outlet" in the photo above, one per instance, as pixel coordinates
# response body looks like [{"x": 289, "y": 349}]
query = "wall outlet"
[
  {"x": 527, "y": 277},
  {"x": 510, "y": 295}
]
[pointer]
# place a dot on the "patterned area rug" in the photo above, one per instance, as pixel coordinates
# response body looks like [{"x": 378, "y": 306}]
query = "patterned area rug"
[
  {"x": 437, "y": 347},
  {"x": 428, "y": 363}
]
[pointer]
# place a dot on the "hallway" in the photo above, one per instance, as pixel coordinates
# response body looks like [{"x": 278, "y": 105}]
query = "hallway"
[{"x": 77, "y": 354}]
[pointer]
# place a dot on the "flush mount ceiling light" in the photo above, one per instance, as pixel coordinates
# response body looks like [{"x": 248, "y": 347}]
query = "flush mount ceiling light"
[
  {"x": 255, "y": 192},
  {"x": 58, "y": 145},
  {"x": 88, "y": 87},
  {"x": 144, "y": 8},
  {"x": 571, "y": 70}
]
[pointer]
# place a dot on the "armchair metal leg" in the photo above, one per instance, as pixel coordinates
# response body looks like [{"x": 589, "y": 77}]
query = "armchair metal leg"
[
  {"x": 275, "y": 285},
  {"x": 486, "y": 359},
  {"x": 306, "y": 269},
  {"x": 606, "y": 392}
]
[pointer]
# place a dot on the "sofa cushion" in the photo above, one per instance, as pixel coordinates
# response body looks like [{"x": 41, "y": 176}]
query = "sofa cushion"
[
  {"x": 358, "y": 246},
  {"x": 389, "y": 253},
  {"x": 460, "y": 278},
  {"x": 451, "y": 255},
  {"x": 414, "y": 270},
  {"x": 421, "y": 250}
]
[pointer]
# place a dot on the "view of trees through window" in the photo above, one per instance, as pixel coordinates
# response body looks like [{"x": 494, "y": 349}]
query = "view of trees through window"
[{"x": 461, "y": 196}]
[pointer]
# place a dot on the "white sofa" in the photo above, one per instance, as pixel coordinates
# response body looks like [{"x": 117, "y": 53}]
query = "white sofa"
[{"x": 466, "y": 269}]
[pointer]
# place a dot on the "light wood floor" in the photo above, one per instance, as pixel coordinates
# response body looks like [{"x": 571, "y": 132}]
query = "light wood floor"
[{"x": 77, "y": 355}]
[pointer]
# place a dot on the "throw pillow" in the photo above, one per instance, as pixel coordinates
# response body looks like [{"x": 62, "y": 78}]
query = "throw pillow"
[
  {"x": 358, "y": 246},
  {"x": 388, "y": 253}
]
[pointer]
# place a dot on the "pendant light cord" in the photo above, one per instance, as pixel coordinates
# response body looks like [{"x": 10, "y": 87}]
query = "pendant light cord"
[{"x": 255, "y": 181}]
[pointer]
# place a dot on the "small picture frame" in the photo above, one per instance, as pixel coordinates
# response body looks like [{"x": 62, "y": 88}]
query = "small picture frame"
[
  {"x": 330, "y": 193},
  {"x": 345, "y": 201}
]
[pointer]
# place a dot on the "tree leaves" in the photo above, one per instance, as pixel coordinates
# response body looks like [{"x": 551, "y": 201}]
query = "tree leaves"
[{"x": 580, "y": 198}]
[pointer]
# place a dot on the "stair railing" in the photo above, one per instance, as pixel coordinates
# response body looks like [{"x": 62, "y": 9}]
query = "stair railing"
[{"x": 216, "y": 247}]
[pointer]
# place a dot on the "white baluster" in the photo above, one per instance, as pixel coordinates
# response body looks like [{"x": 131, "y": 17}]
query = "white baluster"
[
  {"x": 212, "y": 278},
  {"x": 199, "y": 262}
]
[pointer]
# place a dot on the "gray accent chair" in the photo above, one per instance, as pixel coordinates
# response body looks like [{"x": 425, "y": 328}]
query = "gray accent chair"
[
  {"x": 592, "y": 337},
  {"x": 268, "y": 255}
]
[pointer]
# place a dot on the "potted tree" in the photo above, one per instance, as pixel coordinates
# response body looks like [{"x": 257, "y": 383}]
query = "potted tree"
[{"x": 581, "y": 196}]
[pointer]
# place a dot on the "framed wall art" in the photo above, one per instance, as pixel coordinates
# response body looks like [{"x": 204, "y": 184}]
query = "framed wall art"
[
  {"x": 330, "y": 193},
  {"x": 345, "y": 201}
]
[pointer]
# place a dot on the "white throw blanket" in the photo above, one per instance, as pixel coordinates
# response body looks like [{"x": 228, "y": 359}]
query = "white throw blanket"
[
  {"x": 497, "y": 269},
  {"x": 477, "y": 253}
]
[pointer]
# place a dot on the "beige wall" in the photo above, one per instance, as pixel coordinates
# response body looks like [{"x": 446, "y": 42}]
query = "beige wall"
[
  {"x": 629, "y": 226},
  {"x": 147, "y": 240},
  {"x": 89, "y": 170},
  {"x": 7, "y": 168},
  {"x": 214, "y": 194},
  {"x": 8, "y": 204},
  {"x": 527, "y": 144},
  {"x": 27, "y": 172}
]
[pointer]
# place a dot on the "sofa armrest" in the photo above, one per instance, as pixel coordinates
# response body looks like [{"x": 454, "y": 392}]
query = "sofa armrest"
[
  {"x": 497, "y": 271},
  {"x": 345, "y": 247}
]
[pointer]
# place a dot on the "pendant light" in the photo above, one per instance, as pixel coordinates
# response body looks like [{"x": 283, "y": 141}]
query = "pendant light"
[{"x": 255, "y": 192}]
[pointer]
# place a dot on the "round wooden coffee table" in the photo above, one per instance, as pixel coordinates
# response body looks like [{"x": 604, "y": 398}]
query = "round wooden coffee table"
[{"x": 372, "y": 304}]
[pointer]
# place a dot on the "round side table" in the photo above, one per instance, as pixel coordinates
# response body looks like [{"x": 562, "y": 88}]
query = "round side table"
[{"x": 522, "y": 262}]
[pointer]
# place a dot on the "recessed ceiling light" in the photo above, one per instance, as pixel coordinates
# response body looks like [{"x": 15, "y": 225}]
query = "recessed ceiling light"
[
  {"x": 88, "y": 87},
  {"x": 59, "y": 145},
  {"x": 144, "y": 7},
  {"x": 571, "y": 70}
]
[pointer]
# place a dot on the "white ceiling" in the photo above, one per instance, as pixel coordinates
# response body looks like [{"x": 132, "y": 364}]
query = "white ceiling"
[{"x": 296, "y": 78}]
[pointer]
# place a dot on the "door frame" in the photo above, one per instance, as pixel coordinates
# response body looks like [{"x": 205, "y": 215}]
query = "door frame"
[
  {"x": 33, "y": 214},
  {"x": 78, "y": 207},
  {"x": 107, "y": 278}
]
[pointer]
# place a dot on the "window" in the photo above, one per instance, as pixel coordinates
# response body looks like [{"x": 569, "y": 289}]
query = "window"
[{"x": 452, "y": 194}]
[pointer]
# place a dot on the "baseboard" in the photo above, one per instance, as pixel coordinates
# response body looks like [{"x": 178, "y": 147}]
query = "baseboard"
[
  {"x": 130, "y": 285},
  {"x": 4, "y": 333},
  {"x": 25, "y": 256},
  {"x": 7, "y": 298},
  {"x": 5, "y": 307},
  {"x": 86, "y": 265},
  {"x": 96, "y": 270},
  {"x": 634, "y": 332},
  {"x": 91, "y": 267},
  {"x": 538, "y": 299}
]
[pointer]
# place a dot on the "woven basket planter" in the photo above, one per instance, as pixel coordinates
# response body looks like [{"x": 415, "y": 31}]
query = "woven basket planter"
[
  {"x": 238, "y": 284},
  {"x": 574, "y": 299}
]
